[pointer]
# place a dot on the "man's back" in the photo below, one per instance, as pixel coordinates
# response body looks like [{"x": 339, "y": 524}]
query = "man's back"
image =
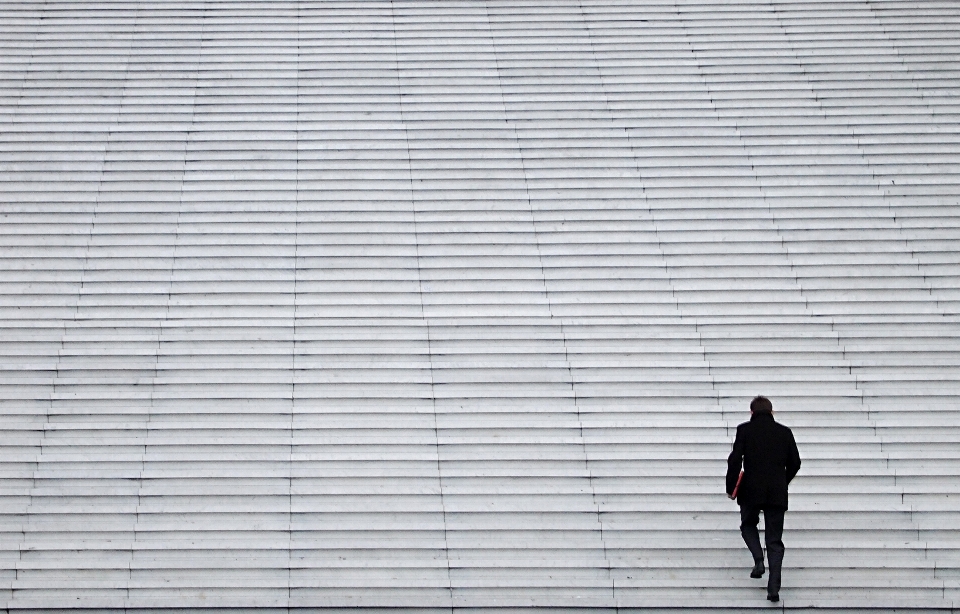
[{"x": 770, "y": 460}]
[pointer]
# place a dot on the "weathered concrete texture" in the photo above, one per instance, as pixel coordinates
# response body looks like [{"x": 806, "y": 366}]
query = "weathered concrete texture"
[{"x": 455, "y": 304}]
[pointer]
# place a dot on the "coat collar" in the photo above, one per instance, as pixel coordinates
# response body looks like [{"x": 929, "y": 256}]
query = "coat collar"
[{"x": 761, "y": 417}]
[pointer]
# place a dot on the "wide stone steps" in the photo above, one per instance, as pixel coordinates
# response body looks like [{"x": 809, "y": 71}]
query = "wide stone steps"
[{"x": 438, "y": 305}]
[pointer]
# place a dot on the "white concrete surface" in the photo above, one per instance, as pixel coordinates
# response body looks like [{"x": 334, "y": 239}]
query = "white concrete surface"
[{"x": 454, "y": 304}]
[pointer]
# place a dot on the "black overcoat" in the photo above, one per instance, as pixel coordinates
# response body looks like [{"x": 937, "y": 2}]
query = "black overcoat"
[{"x": 770, "y": 460}]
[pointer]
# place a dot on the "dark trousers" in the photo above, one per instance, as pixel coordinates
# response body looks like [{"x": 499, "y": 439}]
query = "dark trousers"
[{"x": 773, "y": 535}]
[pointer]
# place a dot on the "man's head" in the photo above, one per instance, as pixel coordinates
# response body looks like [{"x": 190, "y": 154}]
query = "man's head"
[{"x": 761, "y": 405}]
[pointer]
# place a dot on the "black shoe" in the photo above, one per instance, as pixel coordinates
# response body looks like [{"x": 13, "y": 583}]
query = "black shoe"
[
  {"x": 758, "y": 570},
  {"x": 774, "y": 597}
]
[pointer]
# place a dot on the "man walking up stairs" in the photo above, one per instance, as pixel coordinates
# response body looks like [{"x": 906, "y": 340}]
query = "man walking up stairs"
[{"x": 768, "y": 454}]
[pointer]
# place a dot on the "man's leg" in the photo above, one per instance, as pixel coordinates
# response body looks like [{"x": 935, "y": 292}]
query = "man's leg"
[
  {"x": 773, "y": 535},
  {"x": 749, "y": 519}
]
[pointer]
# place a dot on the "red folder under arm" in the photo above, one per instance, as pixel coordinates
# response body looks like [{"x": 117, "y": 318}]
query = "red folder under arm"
[{"x": 733, "y": 495}]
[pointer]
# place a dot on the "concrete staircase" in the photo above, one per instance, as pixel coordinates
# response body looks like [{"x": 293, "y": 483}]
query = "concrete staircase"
[{"x": 456, "y": 304}]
